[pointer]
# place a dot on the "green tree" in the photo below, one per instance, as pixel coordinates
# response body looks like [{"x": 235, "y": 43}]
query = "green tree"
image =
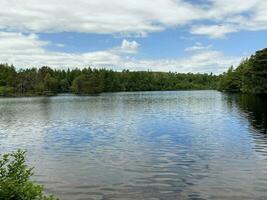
[
  {"x": 87, "y": 84},
  {"x": 249, "y": 77},
  {"x": 15, "y": 181},
  {"x": 50, "y": 84},
  {"x": 6, "y": 91},
  {"x": 46, "y": 81},
  {"x": 7, "y": 75},
  {"x": 64, "y": 85},
  {"x": 230, "y": 81},
  {"x": 255, "y": 73}
]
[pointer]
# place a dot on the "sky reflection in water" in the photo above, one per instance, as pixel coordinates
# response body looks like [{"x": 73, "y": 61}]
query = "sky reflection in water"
[{"x": 142, "y": 145}]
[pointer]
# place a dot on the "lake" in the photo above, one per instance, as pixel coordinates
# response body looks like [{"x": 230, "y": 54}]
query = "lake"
[{"x": 142, "y": 145}]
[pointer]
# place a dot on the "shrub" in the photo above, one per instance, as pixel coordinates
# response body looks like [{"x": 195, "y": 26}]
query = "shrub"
[
  {"x": 6, "y": 91},
  {"x": 15, "y": 181}
]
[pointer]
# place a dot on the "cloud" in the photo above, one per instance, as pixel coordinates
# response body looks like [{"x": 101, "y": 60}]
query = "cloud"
[
  {"x": 22, "y": 20},
  {"x": 95, "y": 16},
  {"x": 132, "y": 18},
  {"x": 229, "y": 16},
  {"x": 213, "y": 31},
  {"x": 17, "y": 42},
  {"x": 198, "y": 47},
  {"x": 126, "y": 47},
  {"x": 129, "y": 47},
  {"x": 219, "y": 9},
  {"x": 203, "y": 62},
  {"x": 29, "y": 51},
  {"x": 60, "y": 45}
]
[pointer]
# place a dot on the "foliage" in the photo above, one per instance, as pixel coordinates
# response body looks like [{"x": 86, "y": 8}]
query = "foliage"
[
  {"x": 6, "y": 91},
  {"x": 87, "y": 84},
  {"x": 46, "y": 81},
  {"x": 15, "y": 181},
  {"x": 230, "y": 81},
  {"x": 249, "y": 77}
]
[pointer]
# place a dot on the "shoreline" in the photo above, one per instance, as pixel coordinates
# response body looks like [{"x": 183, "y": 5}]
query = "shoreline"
[{"x": 71, "y": 93}]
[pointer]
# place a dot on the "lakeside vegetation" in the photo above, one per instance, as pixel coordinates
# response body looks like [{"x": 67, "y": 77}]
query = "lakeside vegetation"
[
  {"x": 249, "y": 77},
  {"x": 46, "y": 81},
  {"x": 15, "y": 183}
]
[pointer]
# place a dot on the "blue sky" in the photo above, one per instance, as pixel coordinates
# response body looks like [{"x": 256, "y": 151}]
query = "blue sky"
[{"x": 159, "y": 35}]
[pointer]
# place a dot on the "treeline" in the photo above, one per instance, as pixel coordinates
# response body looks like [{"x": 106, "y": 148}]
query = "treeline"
[
  {"x": 249, "y": 77},
  {"x": 47, "y": 81}
]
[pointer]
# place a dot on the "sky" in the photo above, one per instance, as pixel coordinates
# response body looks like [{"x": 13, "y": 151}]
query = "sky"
[{"x": 158, "y": 35}]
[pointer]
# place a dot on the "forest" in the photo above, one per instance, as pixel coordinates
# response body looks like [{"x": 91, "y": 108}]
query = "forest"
[
  {"x": 47, "y": 81},
  {"x": 249, "y": 77}
]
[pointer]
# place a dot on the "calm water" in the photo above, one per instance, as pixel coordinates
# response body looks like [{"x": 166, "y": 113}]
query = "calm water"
[{"x": 144, "y": 145}]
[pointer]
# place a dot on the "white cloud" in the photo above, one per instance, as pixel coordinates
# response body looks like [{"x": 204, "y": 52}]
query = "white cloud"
[
  {"x": 219, "y": 9},
  {"x": 214, "y": 31},
  {"x": 124, "y": 18},
  {"x": 29, "y": 51},
  {"x": 17, "y": 42},
  {"x": 132, "y": 18},
  {"x": 198, "y": 47},
  {"x": 129, "y": 47},
  {"x": 229, "y": 16},
  {"x": 203, "y": 62},
  {"x": 60, "y": 45},
  {"x": 97, "y": 16}
]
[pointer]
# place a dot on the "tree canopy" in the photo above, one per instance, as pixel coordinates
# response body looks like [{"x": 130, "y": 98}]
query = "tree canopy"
[
  {"x": 249, "y": 77},
  {"x": 47, "y": 81}
]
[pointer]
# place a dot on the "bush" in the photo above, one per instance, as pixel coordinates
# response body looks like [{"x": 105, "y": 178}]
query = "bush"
[
  {"x": 15, "y": 181},
  {"x": 6, "y": 91}
]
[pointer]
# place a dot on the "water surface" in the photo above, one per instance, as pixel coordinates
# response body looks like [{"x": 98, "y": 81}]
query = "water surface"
[{"x": 142, "y": 145}]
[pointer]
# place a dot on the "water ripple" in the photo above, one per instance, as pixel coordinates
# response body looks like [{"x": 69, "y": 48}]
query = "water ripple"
[{"x": 142, "y": 145}]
